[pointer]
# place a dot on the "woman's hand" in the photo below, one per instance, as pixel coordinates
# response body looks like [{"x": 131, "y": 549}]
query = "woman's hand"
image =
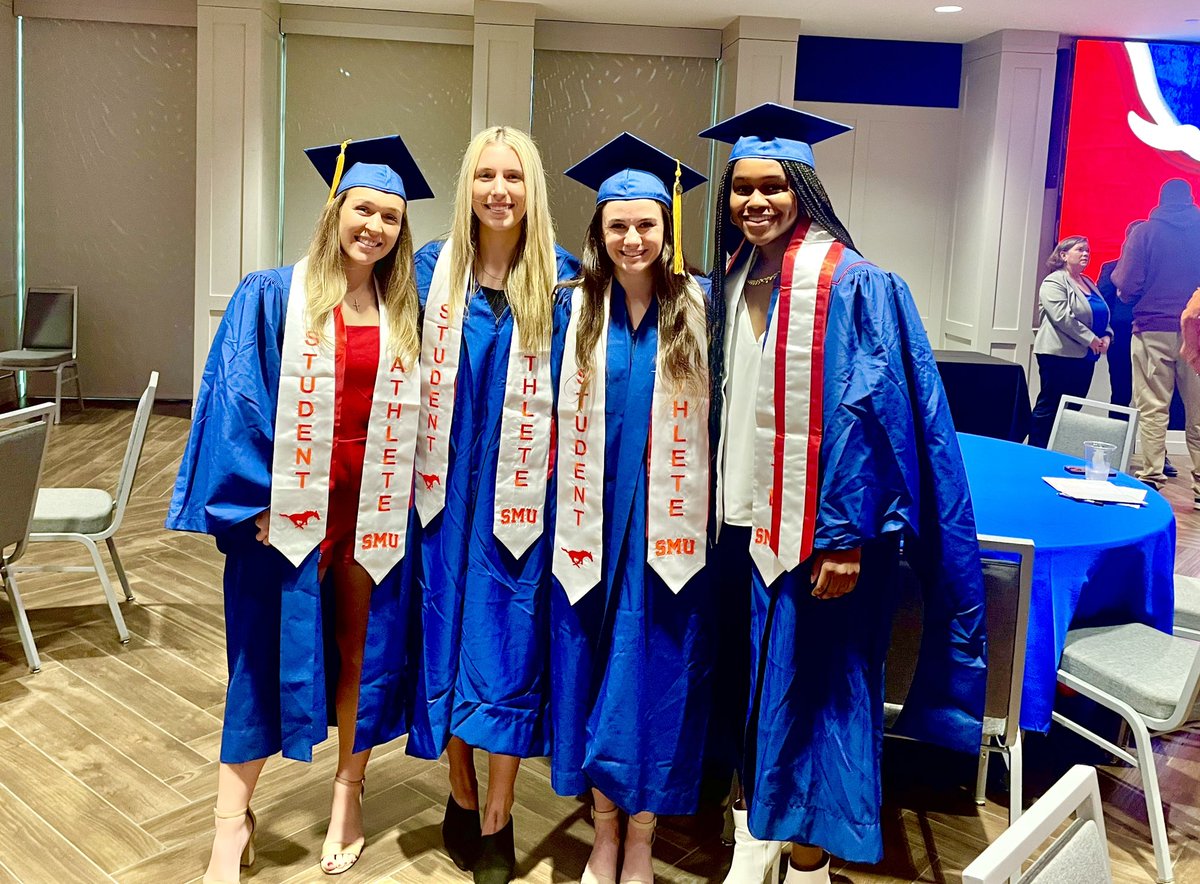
[
  {"x": 263, "y": 523},
  {"x": 1105, "y": 343},
  {"x": 1097, "y": 346},
  {"x": 835, "y": 572}
]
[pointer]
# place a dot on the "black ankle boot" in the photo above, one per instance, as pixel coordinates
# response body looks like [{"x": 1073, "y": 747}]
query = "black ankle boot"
[
  {"x": 497, "y": 857},
  {"x": 460, "y": 834}
]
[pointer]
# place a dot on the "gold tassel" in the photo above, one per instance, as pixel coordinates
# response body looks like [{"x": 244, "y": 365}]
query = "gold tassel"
[
  {"x": 677, "y": 219},
  {"x": 337, "y": 171}
]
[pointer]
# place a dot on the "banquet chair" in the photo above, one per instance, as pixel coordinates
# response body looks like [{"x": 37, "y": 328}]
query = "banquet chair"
[
  {"x": 90, "y": 515},
  {"x": 1151, "y": 680},
  {"x": 1008, "y": 584},
  {"x": 1187, "y": 607},
  {"x": 24, "y": 437},
  {"x": 1074, "y": 426},
  {"x": 1079, "y": 854},
  {"x": 48, "y": 340}
]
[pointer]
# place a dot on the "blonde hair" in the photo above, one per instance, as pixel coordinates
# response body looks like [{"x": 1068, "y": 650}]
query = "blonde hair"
[
  {"x": 326, "y": 284},
  {"x": 534, "y": 271}
]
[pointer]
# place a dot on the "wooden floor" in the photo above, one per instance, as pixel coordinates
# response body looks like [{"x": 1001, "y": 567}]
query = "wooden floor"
[{"x": 108, "y": 756}]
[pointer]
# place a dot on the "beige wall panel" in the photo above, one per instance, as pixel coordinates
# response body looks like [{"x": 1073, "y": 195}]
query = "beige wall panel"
[
  {"x": 345, "y": 87},
  {"x": 8, "y": 189},
  {"x": 583, "y": 99},
  {"x": 110, "y": 165}
]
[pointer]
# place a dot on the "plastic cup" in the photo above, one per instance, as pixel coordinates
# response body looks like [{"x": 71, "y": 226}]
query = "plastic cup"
[{"x": 1096, "y": 456}]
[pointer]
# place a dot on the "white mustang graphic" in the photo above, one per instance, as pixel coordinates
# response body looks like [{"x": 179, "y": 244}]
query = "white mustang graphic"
[{"x": 1162, "y": 131}]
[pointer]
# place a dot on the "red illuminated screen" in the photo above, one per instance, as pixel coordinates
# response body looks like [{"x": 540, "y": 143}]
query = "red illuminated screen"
[{"x": 1112, "y": 176}]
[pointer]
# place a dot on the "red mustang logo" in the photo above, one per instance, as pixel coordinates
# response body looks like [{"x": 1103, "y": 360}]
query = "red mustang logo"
[
  {"x": 301, "y": 520},
  {"x": 578, "y": 556},
  {"x": 430, "y": 479}
]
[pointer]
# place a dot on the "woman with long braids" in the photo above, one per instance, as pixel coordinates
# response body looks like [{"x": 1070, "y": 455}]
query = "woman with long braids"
[
  {"x": 835, "y": 442},
  {"x": 631, "y": 617},
  {"x": 300, "y": 464},
  {"x": 482, "y": 471}
]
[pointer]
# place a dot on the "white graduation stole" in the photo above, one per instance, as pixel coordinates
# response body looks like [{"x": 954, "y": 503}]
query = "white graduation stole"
[
  {"x": 525, "y": 424},
  {"x": 788, "y": 406},
  {"x": 579, "y": 526},
  {"x": 304, "y": 425},
  {"x": 677, "y": 483}
]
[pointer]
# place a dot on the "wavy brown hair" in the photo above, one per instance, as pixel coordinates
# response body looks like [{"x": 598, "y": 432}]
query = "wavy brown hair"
[
  {"x": 1056, "y": 260},
  {"x": 326, "y": 286},
  {"x": 683, "y": 356}
]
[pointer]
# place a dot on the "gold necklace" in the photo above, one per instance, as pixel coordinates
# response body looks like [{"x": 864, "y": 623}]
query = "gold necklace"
[{"x": 763, "y": 280}]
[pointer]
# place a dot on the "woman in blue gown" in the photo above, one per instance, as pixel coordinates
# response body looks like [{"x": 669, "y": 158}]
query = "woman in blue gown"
[
  {"x": 631, "y": 652},
  {"x": 310, "y": 632},
  {"x": 483, "y": 599}
]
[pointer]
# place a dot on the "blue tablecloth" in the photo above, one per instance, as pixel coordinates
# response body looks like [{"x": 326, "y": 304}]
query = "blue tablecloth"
[{"x": 1093, "y": 565}]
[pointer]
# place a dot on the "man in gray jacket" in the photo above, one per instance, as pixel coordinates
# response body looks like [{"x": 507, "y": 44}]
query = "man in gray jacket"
[{"x": 1158, "y": 271}]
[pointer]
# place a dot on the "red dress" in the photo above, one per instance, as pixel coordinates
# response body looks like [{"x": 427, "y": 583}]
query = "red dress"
[{"x": 356, "y": 361}]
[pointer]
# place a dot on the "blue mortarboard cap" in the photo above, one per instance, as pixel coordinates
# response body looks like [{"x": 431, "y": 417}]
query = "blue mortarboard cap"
[
  {"x": 774, "y": 132},
  {"x": 628, "y": 168},
  {"x": 379, "y": 163}
]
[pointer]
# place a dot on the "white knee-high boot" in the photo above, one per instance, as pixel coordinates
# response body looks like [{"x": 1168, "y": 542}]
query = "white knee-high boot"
[{"x": 754, "y": 861}]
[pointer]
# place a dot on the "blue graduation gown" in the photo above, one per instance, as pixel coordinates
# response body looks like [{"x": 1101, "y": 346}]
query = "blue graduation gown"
[
  {"x": 278, "y": 618},
  {"x": 483, "y": 613},
  {"x": 631, "y": 661},
  {"x": 890, "y": 468}
]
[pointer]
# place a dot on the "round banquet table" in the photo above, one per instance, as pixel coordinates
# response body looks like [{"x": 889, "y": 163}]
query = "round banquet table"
[{"x": 1092, "y": 565}]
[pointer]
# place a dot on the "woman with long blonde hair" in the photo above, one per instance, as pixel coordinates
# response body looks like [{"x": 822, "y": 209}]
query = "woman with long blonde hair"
[
  {"x": 299, "y": 463},
  {"x": 486, "y": 412},
  {"x": 632, "y": 638}
]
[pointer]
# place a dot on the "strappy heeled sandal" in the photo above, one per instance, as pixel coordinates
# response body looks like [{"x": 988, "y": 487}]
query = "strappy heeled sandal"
[
  {"x": 337, "y": 854},
  {"x": 650, "y": 826},
  {"x": 590, "y": 877},
  {"x": 248, "y": 850}
]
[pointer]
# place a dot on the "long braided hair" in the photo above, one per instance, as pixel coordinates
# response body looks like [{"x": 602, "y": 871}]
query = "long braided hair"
[{"x": 814, "y": 203}]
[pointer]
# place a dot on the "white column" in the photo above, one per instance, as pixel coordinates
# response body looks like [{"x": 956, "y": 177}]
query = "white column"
[
  {"x": 995, "y": 265},
  {"x": 8, "y": 179},
  {"x": 758, "y": 63},
  {"x": 501, "y": 92},
  {"x": 237, "y": 153}
]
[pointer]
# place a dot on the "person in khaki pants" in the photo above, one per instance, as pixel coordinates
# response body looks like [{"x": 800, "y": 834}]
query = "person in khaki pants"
[{"x": 1158, "y": 270}]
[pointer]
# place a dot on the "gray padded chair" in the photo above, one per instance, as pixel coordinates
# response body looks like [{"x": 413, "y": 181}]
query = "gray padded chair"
[
  {"x": 48, "y": 340},
  {"x": 24, "y": 437},
  {"x": 1078, "y": 856},
  {"x": 91, "y": 515},
  {"x": 1187, "y": 607},
  {"x": 1151, "y": 680},
  {"x": 1008, "y": 582},
  {"x": 1072, "y": 427}
]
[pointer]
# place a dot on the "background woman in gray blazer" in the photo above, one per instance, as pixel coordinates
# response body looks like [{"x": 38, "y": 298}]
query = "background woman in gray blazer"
[{"x": 1073, "y": 330}]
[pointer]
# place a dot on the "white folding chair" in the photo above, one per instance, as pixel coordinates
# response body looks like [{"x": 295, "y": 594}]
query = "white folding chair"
[
  {"x": 1008, "y": 583},
  {"x": 1077, "y": 855},
  {"x": 1076, "y": 425},
  {"x": 91, "y": 515},
  {"x": 1151, "y": 680},
  {"x": 24, "y": 438},
  {"x": 49, "y": 340}
]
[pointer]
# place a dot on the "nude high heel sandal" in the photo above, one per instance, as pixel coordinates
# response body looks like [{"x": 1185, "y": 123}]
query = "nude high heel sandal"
[
  {"x": 590, "y": 877},
  {"x": 649, "y": 826},
  {"x": 343, "y": 856},
  {"x": 248, "y": 850}
]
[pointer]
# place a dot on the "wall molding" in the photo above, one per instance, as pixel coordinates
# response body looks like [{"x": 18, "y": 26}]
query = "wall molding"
[
  {"x": 570, "y": 36},
  {"x": 141, "y": 12},
  {"x": 378, "y": 24}
]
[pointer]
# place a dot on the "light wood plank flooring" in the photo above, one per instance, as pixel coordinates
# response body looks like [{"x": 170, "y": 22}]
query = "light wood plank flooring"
[{"x": 108, "y": 756}]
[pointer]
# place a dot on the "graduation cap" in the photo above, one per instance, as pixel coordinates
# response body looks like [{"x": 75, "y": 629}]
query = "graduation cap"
[
  {"x": 774, "y": 132},
  {"x": 628, "y": 168},
  {"x": 379, "y": 163}
]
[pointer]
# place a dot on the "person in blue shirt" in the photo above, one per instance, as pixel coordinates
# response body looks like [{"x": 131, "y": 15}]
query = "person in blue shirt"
[
  {"x": 834, "y": 443},
  {"x": 488, "y": 370},
  {"x": 310, "y": 384},
  {"x": 631, "y": 614}
]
